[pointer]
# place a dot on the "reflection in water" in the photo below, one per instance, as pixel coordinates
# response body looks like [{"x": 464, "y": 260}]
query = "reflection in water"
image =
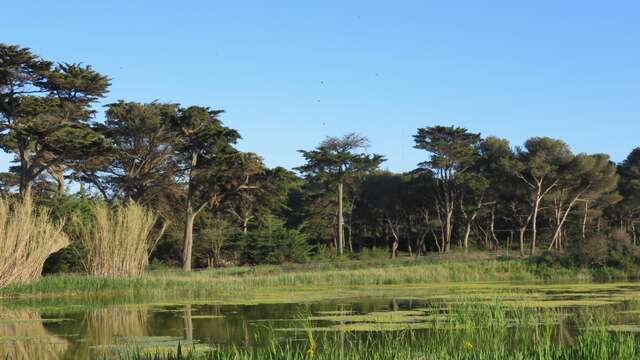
[
  {"x": 188, "y": 323},
  {"x": 104, "y": 329},
  {"x": 23, "y": 336},
  {"x": 88, "y": 330},
  {"x": 106, "y": 326},
  {"x": 112, "y": 325}
]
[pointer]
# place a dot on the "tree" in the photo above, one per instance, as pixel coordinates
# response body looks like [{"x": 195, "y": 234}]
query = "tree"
[
  {"x": 141, "y": 164},
  {"x": 627, "y": 211},
  {"x": 585, "y": 178},
  {"x": 211, "y": 168},
  {"x": 44, "y": 111},
  {"x": 268, "y": 195},
  {"x": 387, "y": 196},
  {"x": 452, "y": 151},
  {"x": 539, "y": 165},
  {"x": 335, "y": 163}
]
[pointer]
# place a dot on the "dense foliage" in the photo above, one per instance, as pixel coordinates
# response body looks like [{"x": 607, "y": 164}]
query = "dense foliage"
[{"x": 222, "y": 206}]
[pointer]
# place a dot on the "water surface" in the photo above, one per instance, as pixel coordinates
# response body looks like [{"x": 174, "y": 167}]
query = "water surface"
[{"x": 80, "y": 329}]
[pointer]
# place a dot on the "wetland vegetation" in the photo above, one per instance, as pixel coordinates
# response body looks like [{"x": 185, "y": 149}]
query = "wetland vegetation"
[{"x": 147, "y": 234}]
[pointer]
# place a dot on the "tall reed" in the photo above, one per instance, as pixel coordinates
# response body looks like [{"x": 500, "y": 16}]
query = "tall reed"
[
  {"x": 27, "y": 237},
  {"x": 119, "y": 241}
]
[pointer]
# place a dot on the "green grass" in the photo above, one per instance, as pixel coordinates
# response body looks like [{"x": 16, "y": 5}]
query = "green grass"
[{"x": 223, "y": 284}]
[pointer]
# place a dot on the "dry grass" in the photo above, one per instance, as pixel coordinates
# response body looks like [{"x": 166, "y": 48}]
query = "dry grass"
[
  {"x": 27, "y": 237},
  {"x": 118, "y": 243}
]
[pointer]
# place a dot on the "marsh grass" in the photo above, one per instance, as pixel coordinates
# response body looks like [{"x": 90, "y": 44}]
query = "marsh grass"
[
  {"x": 472, "y": 331},
  {"x": 118, "y": 242},
  {"x": 267, "y": 283},
  {"x": 27, "y": 237}
]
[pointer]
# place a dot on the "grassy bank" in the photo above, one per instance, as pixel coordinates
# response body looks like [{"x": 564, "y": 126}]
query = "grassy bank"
[{"x": 225, "y": 283}]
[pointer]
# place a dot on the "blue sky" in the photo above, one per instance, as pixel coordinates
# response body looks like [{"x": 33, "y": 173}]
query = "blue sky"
[{"x": 289, "y": 73}]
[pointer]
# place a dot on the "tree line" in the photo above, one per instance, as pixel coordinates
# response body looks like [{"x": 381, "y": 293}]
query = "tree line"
[{"x": 221, "y": 205}]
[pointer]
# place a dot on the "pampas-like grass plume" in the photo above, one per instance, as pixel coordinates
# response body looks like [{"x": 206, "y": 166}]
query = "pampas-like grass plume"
[
  {"x": 27, "y": 237},
  {"x": 118, "y": 244}
]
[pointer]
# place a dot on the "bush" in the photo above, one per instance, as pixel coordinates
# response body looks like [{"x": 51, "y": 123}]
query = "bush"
[
  {"x": 69, "y": 259},
  {"x": 324, "y": 253},
  {"x": 373, "y": 253},
  {"x": 598, "y": 251},
  {"x": 593, "y": 251},
  {"x": 273, "y": 243}
]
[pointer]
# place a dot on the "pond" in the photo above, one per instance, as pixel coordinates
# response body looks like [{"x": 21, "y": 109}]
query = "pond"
[{"x": 79, "y": 329}]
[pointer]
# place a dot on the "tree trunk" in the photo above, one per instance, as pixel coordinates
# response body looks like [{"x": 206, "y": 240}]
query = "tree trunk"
[
  {"x": 340, "y": 221},
  {"x": 449, "y": 229},
  {"x": 58, "y": 174},
  {"x": 188, "y": 239},
  {"x": 396, "y": 239},
  {"x": 245, "y": 225},
  {"x": 584, "y": 219},
  {"x": 522, "y": 229},
  {"x": 557, "y": 236},
  {"x": 189, "y": 218},
  {"x": 534, "y": 226},
  {"x": 492, "y": 228},
  {"x": 25, "y": 183},
  {"x": 467, "y": 231}
]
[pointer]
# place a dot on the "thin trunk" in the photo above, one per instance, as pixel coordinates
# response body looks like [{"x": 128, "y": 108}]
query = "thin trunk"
[
  {"x": 449, "y": 228},
  {"x": 467, "y": 231},
  {"x": 58, "y": 174},
  {"x": 493, "y": 228},
  {"x": 522, "y": 231},
  {"x": 189, "y": 219},
  {"x": 25, "y": 183},
  {"x": 584, "y": 219},
  {"x": 557, "y": 236},
  {"x": 340, "y": 221},
  {"x": 534, "y": 226},
  {"x": 396, "y": 239},
  {"x": 188, "y": 239},
  {"x": 245, "y": 225}
]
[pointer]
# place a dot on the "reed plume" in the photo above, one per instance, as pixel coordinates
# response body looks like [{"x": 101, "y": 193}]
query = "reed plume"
[
  {"x": 27, "y": 237},
  {"x": 118, "y": 242}
]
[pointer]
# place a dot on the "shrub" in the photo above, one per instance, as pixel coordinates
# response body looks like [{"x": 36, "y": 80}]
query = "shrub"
[
  {"x": 27, "y": 237},
  {"x": 373, "y": 253},
  {"x": 118, "y": 243},
  {"x": 594, "y": 251},
  {"x": 602, "y": 250},
  {"x": 62, "y": 206},
  {"x": 273, "y": 243}
]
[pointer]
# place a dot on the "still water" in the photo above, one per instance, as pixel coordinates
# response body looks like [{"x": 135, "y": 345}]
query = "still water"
[{"x": 76, "y": 329}]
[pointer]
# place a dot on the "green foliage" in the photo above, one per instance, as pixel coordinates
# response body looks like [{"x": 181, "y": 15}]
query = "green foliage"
[
  {"x": 614, "y": 250},
  {"x": 273, "y": 243},
  {"x": 75, "y": 212},
  {"x": 452, "y": 149}
]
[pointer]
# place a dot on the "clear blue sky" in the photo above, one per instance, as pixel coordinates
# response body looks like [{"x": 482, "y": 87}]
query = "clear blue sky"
[{"x": 290, "y": 73}]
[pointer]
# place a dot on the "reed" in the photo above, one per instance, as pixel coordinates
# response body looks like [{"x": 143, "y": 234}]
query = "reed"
[
  {"x": 27, "y": 237},
  {"x": 119, "y": 241}
]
